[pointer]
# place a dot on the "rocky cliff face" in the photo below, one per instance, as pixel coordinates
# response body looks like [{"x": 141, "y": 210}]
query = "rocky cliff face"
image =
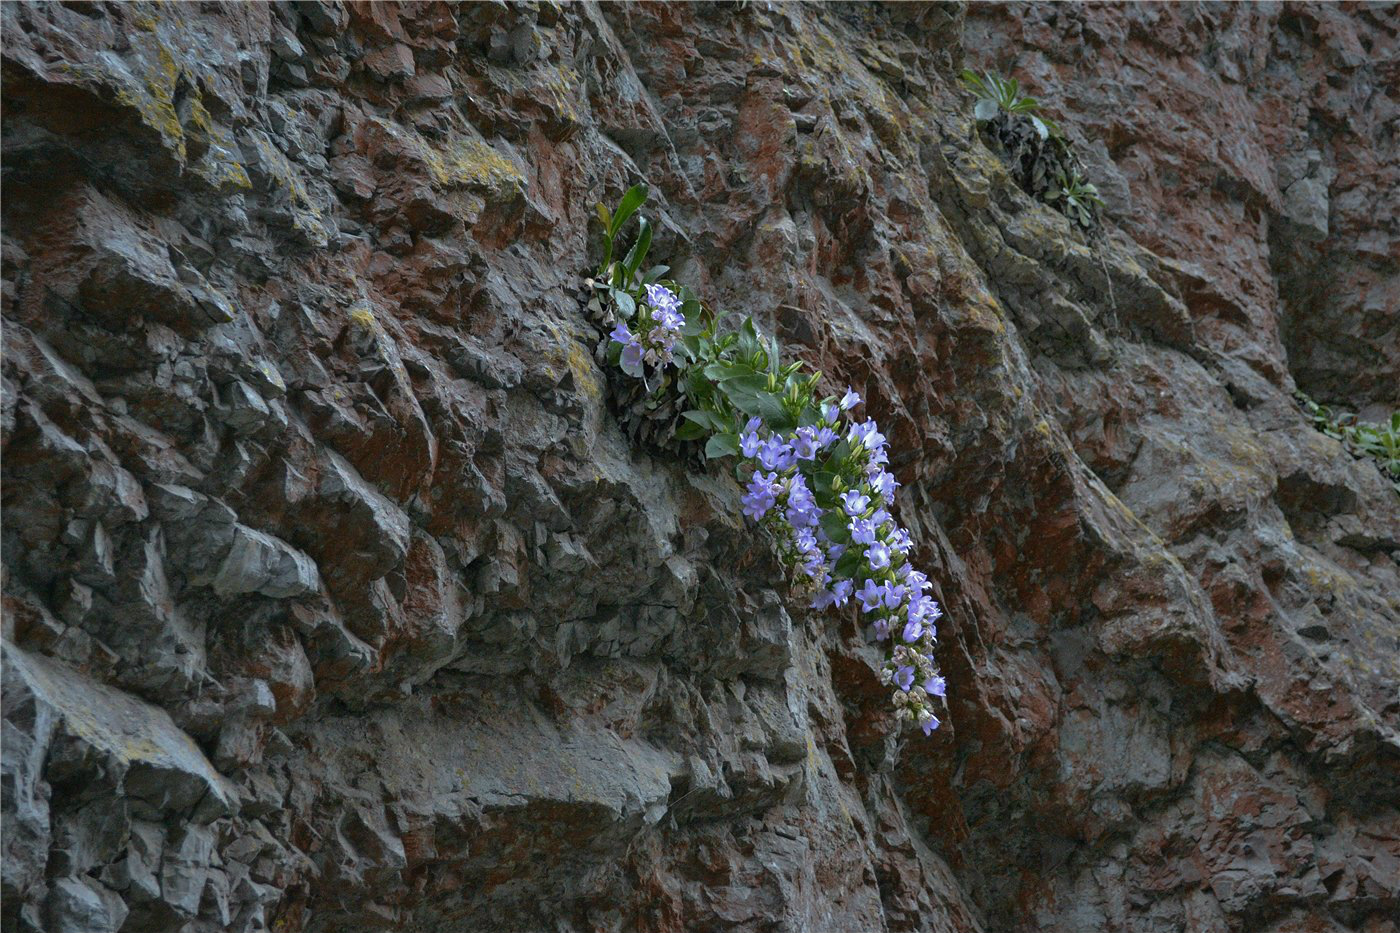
[{"x": 335, "y": 597}]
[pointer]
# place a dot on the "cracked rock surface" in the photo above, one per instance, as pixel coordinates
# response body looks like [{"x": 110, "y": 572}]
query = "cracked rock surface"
[{"x": 336, "y": 598}]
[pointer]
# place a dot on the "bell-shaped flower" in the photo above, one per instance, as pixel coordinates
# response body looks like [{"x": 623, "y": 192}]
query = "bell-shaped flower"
[{"x": 871, "y": 596}]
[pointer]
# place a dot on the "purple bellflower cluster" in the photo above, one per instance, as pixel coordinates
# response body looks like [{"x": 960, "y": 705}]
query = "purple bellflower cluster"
[
  {"x": 659, "y": 325},
  {"x": 892, "y": 595},
  {"x": 813, "y": 475}
]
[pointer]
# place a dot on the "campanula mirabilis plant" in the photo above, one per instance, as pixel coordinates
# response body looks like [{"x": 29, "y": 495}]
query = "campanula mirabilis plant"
[
  {"x": 1377, "y": 440},
  {"x": 813, "y": 470}
]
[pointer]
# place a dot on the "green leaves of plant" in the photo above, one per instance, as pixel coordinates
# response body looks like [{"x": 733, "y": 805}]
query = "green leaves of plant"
[
  {"x": 637, "y": 253},
  {"x": 633, "y": 199},
  {"x": 1078, "y": 198},
  {"x": 707, "y": 420},
  {"x": 1380, "y": 441},
  {"x": 694, "y": 314},
  {"x": 847, "y": 566},
  {"x": 1008, "y": 92},
  {"x": 974, "y": 82},
  {"x": 612, "y": 225},
  {"x": 995, "y": 93},
  {"x": 690, "y": 431},
  {"x": 726, "y": 378},
  {"x": 834, "y": 524},
  {"x": 722, "y": 445}
]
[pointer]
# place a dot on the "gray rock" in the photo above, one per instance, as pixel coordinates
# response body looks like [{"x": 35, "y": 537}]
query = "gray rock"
[
  {"x": 259, "y": 563},
  {"x": 79, "y": 905},
  {"x": 135, "y": 742},
  {"x": 383, "y": 528}
]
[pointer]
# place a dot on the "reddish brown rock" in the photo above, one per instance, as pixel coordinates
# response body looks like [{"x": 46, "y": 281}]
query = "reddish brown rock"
[{"x": 337, "y": 598}]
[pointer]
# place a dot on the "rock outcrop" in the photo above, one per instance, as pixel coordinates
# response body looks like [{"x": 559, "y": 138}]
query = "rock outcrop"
[{"x": 335, "y": 597}]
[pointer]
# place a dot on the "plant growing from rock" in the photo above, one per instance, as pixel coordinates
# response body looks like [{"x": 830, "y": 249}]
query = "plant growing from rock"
[
  {"x": 1076, "y": 198},
  {"x": 1037, "y": 152},
  {"x": 814, "y": 475},
  {"x": 1379, "y": 441},
  {"x": 996, "y": 94}
]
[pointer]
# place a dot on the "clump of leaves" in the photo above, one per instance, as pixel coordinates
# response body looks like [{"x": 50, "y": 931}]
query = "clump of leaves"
[
  {"x": 1038, "y": 154},
  {"x": 996, "y": 94},
  {"x": 649, "y": 408},
  {"x": 618, "y": 277},
  {"x": 1379, "y": 441},
  {"x": 1076, "y": 198},
  {"x": 725, "y": 377}
]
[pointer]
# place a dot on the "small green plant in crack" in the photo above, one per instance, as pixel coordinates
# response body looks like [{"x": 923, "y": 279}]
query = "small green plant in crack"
[
  {"x": 1038, "y": 154},
  {"x": 996, "y": 94},
  {"x": 1076, "y": 198},
  {"x": 1379, "y": 441}
]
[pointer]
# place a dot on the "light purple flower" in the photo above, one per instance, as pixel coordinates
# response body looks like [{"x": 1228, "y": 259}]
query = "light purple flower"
[
  {"x": 881, "y": 628},
  {"x": 871, "y": 595},
  {"x": 936, "y": 685},
  {"x": 841, "y": 592},
  {"x": 884, "y": 485},
  {"x": 826, "y": 437},
  {"x": 670, "y": 321},
  {"x": 904, "y": 678},
  {"x": 920, "y": 606},
  {"x": 621, "y": 334},
  {"x": 854, "y": 502},
  {"x": 802, "y": 509},
  {"x": 926, "y": 611},
  {"x": 868, "y": 434},
  {"x": 901, "y": 541},
  {"x": 774, "y": 454},
  {"x": 756, "y": 505},
  {"x": 928, "y": 722},
  {"x": 878, "y": 555},
  {"x": 862, "y": 531},
  {"x": 912, "y": 630},
  {"x": 662, "y": 298},
  {"x": 894, "y": 595},
  {"x": 797, "y": 489},
  {"x": 761, "y": 495},
  {"x": 850, "y": 399},
  {"x": 804, "y": 443},
  {"x": 632, "y": 356}
]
